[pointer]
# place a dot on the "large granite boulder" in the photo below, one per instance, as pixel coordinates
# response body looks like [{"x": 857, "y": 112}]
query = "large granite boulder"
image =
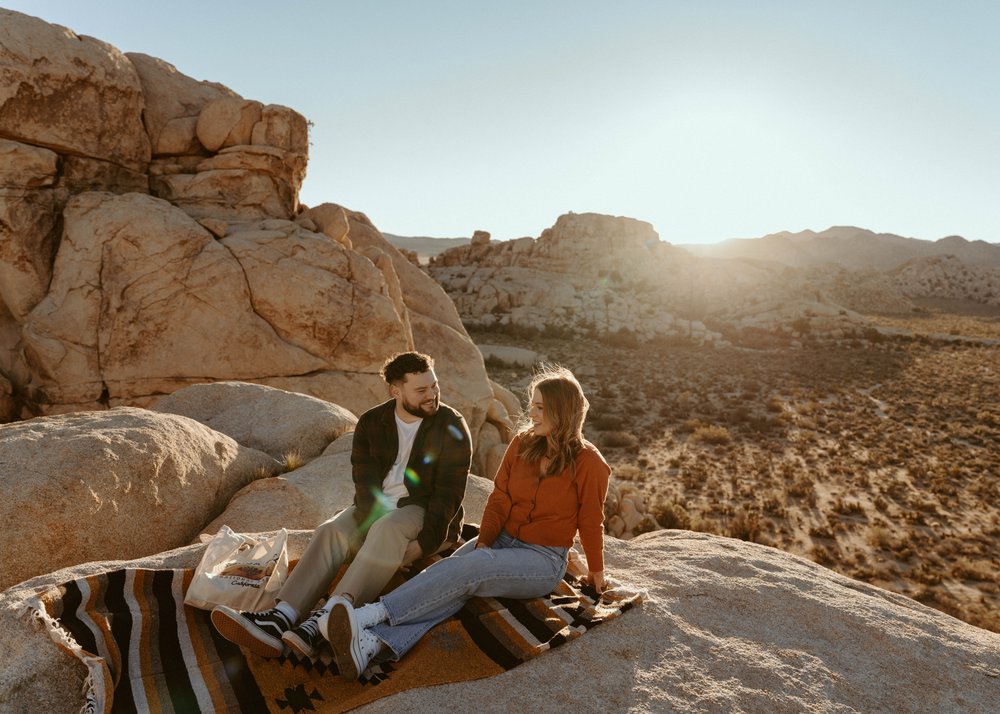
[
  {"x": 726, "y": 626},
  {"x": 730, "y": 626},
  {"x": 279, "y": 423},
  {"x": 27, "y": 224},
  {"x": 111, "y": 296},
  {"x": 173, "y": 102},
  {"x": 431, "y": 316},
  {"x": 144, "y": 300},
  {"x": 71, "y": 94},
  {"x": 123, "y": 483}
]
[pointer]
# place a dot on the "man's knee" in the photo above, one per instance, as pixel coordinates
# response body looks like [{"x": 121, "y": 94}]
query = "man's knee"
[
  {"x": 389, "y": 528},
  {"x": 334, "y": 529}
]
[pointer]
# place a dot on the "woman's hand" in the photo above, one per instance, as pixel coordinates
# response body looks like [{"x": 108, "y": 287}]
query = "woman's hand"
[{"x": 597, "y": 580}]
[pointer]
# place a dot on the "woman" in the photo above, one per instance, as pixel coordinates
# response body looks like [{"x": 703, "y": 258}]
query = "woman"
[{"x": 550, "y": 485}]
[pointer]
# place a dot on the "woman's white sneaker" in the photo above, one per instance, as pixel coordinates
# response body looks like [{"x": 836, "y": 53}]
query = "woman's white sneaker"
[{"x": 354, "y": 647}]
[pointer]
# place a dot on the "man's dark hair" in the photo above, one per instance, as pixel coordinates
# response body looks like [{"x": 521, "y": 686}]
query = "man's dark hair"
[{"x": 399, "y": 365}]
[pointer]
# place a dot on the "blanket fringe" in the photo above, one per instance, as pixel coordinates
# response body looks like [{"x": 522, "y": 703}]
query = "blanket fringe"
[{"x": 94, "y": 692}]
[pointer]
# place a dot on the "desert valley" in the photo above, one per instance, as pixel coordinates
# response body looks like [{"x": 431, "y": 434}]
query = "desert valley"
[{"x": 866, "y": 440}]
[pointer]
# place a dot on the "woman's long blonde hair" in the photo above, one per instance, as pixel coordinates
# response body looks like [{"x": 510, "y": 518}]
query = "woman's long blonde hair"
[{"x": 566, "y": 408}]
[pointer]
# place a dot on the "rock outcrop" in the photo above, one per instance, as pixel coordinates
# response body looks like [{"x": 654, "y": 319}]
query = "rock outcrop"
[
  {"x": 284, "y": 425},
  {"x": 151, "y": 238},
  {"x": 588, "y": 273},
  {"x": 606, "y": 276},
  {"x": 726, "y": 626},
  {"x": 123, "y": 483}
]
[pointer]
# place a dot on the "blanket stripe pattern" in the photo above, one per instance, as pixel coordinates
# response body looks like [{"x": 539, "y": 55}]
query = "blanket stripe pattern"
[{"x": 148, "y": 652}]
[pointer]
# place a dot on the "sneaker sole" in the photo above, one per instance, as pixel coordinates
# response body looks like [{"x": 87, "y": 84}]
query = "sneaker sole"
[
  {"x": 237, "y": 630},
  {"x": 299, "y": 646},
  {"x": 338, "y": 632}
]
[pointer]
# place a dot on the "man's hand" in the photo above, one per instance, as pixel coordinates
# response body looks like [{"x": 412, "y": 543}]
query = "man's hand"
[
  {"x": 412, "y": 553},
  {"x": 597, "y": 580}
]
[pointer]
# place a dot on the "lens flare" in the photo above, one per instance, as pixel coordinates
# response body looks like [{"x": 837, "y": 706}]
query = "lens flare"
[
  {"x": 411, "y": 476},
  {"x": 381, "y": 506},
  {"x": 456, "y": 432},
  {"x": 429, "y": 458}
]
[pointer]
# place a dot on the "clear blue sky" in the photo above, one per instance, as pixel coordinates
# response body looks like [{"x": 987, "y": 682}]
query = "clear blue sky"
[{"x": 709, "y": 119}]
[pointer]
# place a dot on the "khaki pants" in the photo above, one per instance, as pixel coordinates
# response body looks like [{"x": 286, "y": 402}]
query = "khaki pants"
[{"x": 377, "y": 552}]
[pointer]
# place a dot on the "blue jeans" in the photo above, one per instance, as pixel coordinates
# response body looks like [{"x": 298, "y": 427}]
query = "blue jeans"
[{"x": 509, "y": 568}]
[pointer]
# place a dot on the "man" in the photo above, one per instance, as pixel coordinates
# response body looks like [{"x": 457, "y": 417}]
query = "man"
[{"x": 410, "y": 463}]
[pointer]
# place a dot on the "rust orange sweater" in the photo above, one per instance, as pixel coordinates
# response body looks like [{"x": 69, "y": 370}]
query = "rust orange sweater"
[{"x": 550, "y": 510}]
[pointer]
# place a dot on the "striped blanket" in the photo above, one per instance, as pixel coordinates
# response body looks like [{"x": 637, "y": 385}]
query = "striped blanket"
[{"x": 148, "y": 652}]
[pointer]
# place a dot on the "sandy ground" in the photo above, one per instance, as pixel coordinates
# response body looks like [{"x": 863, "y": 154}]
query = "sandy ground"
[{"x": 879, "y": 460}]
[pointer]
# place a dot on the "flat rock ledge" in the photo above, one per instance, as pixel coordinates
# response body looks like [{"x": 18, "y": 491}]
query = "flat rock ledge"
[{"x": 727, "y": 626}]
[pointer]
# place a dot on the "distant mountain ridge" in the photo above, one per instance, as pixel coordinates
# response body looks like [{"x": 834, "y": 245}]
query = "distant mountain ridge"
[
  {"x": 851, "y": 247},
  {"x": 425, "y": 246}
]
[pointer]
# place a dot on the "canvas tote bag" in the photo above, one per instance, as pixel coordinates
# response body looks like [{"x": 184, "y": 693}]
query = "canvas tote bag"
[{"x": 239, "y": 571}]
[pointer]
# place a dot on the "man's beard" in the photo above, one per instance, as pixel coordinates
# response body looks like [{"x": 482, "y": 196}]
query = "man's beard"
[{"x": 422, "y": 409}]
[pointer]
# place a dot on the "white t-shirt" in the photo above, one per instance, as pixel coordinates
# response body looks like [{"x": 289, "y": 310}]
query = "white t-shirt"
[{"x": 394, "y": 487}]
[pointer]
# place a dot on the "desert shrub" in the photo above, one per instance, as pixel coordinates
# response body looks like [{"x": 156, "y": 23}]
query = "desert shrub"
[
  {"x": 873, "y": 335},
  {"x": 646, "y": 525},
  {"x": 924, "y": 504},
  {"x": 848, "y": 507},
  {"x": 745, "y": 526},
  {"x": 495, "y": 362},
  {"x": 762, "y": 424},
  {"x": 927, "y": 573},
  {"x": 623, "y": 337},
  {"x": 711, "y": 434},
  {"x": 291, "y": 461},
  {"x": 988, "y": 418},
  {"x": 822, "y": 531},
  {"x": 774, "y": 404},
  {"x": 672, "y": 514},
  {"x": 974, "y": 570},
  {"x": 803, "y": 487},
  {"x": 689, "y": 425},
  {"x": 629, "y": 472},
  {"x": 772, "y": 506},
  {"x": 618, "y": 439},
  {"x": 758, "y": 338},
  {"x": 808, "y": 408},
  {"x": 880, "y": 537},
  {"x": 739, "y": 415},
  {"x": 822, "y": 555},
  {"x": 258, "y": 473},
  {"x": 607, "y": 422}
]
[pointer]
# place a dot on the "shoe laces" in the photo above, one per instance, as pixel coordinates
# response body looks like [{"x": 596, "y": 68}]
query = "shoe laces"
[
  {"x": 310, "y": 626},
  {"x": 370, "y": 645}
]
